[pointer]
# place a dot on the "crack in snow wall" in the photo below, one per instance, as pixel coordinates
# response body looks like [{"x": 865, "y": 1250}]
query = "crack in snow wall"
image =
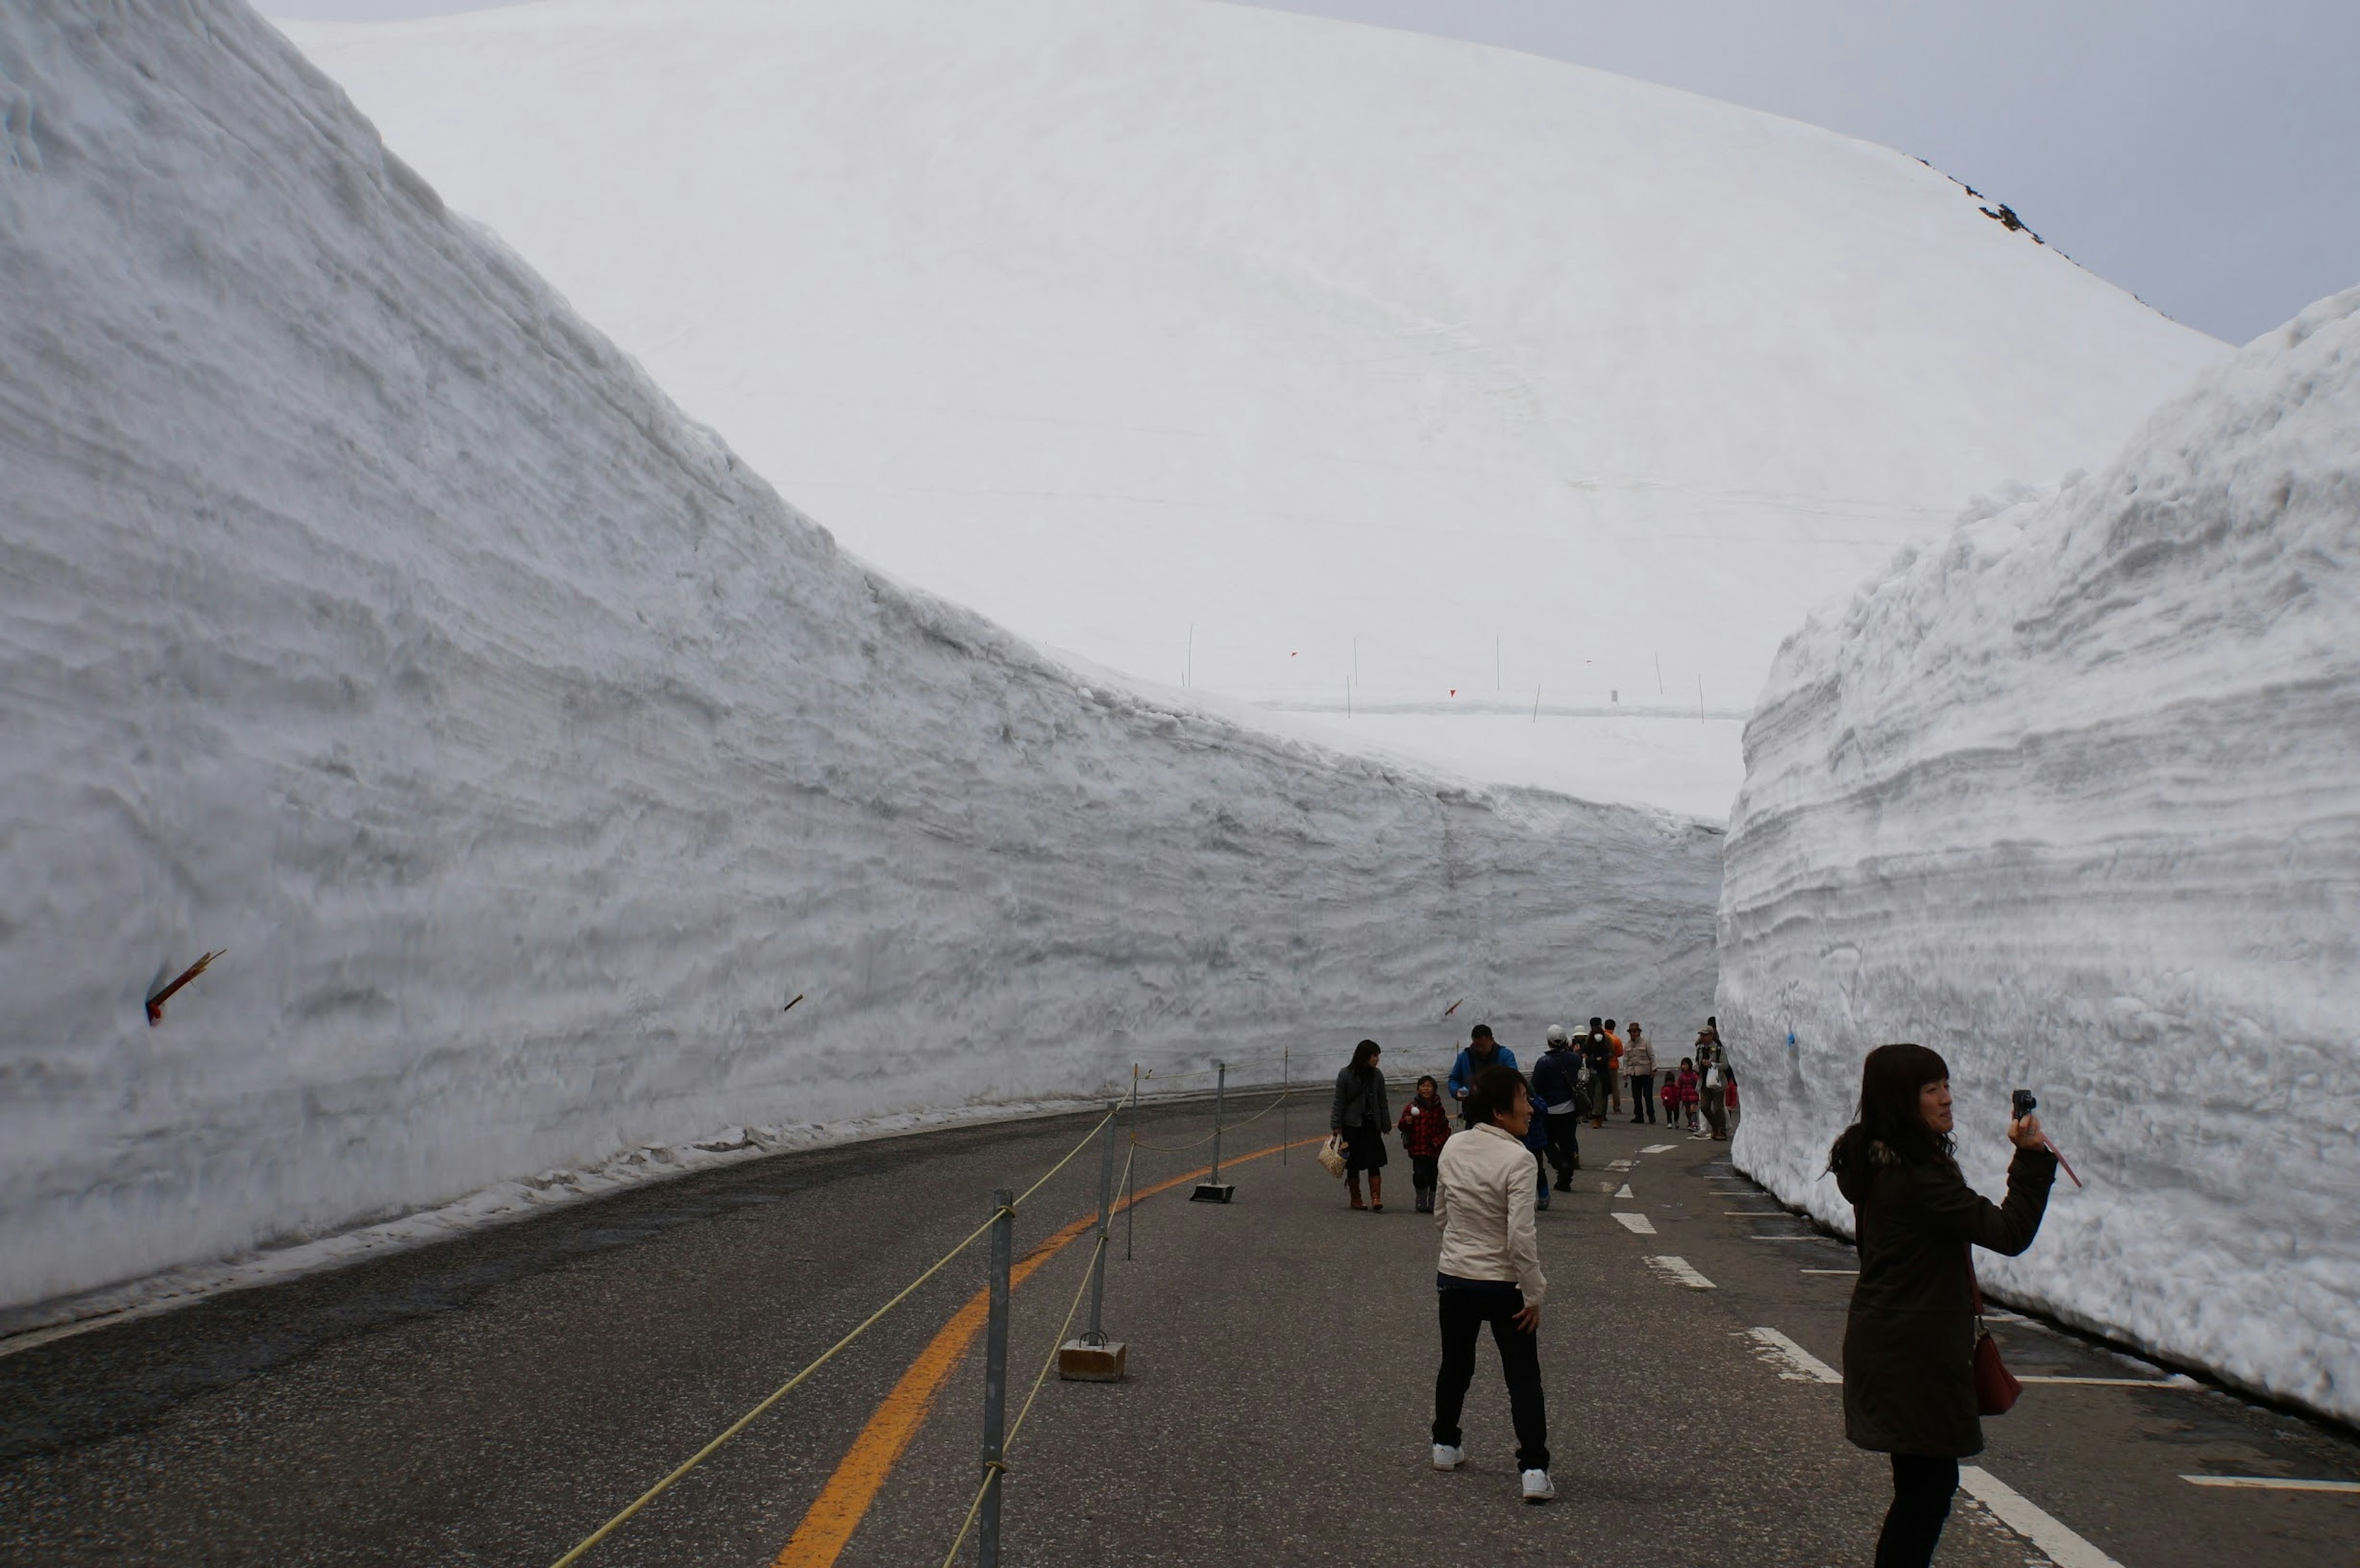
[
  {"x": 2076, "y": 802},
  {"x": 370, "y": 616}
]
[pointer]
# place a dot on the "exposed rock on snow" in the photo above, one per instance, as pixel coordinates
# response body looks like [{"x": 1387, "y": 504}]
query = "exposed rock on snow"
[
  {"x": 1327, "y": 352},
  {"x": 2075, "y": 800},
  {"x": 369, "y": 616}
]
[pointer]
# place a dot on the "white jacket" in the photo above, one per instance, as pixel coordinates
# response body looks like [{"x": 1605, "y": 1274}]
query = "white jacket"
[{"x": 1483, "y": 1202}]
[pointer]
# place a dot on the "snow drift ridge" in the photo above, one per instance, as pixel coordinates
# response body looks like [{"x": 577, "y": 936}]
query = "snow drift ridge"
[
  {"x": 368, "y": 615},
  {"x": 2071, "y": 799}
]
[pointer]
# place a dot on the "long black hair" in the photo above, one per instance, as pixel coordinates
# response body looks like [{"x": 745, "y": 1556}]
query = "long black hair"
[
  {"x": 1890, "y": 1080},
  {"x": 1361, "y": 1054}
]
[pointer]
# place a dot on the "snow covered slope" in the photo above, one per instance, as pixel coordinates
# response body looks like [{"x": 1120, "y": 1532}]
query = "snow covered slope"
[
  {"x": 1279, "y": 351},
  {"x": 369, "y": 616},
  {"x": 2074, "y": 799}
]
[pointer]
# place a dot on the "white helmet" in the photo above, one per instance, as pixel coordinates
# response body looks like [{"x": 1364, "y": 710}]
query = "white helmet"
[{"x": 1557, "y": 1035}]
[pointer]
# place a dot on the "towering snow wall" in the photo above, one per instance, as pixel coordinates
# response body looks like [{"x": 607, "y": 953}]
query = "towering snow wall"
[
  {"x": 2075, "y": 800},
  {"x": 371, "y": 617},
  {"x": 1291, "y": 351}
]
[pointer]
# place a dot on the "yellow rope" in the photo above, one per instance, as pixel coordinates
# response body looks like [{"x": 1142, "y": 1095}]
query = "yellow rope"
[
  {"x": 1138, "y": 1142},
  {"x": 742, "y": 1423}
]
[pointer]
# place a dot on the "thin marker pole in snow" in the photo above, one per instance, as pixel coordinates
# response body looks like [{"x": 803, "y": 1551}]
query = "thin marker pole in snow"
[
  {"x": 1536, "y": 701},
  {"x": 1699, "y": 699}
]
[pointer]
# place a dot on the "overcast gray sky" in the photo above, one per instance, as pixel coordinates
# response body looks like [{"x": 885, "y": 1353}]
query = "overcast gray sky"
[{"x": 2203, "y": 154}]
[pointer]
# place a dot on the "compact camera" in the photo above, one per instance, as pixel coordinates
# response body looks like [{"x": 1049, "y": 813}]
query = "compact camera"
[{"x": 2021, "y": 1105}]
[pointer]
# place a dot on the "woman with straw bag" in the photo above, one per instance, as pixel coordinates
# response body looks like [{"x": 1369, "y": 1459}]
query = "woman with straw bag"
[{"x": 1358, "y": 1118}]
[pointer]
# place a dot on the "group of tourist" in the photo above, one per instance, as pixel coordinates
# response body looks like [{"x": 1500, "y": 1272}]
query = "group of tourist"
[
  {"x": 1909, "y": 1387},
  {"x": 1577, "y": 1078}
]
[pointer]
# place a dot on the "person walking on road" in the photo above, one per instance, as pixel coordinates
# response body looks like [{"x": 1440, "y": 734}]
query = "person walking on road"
[
  {"x": 1715, "y": 1084},
  {"x": 1536, "y": 1139},
  {"x": 1425, "y": 1128},
  {"x": 1556, "y": 1081},
  {"x": 1639, "y": 1061},
  {"x": 1909, "y": 1340},
  {"x": 1614, "y": 1071},
  {"x": 1481, "y": 1051},
  {"x": 1489, "y": 1272},
  {"x": 1597, "y": 1055},
  {"x": 1360, "y": 1116},
  {"x": 1683, "y": 1088}
]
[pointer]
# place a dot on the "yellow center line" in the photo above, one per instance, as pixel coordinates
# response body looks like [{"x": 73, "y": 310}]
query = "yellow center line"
[{"x": 827, "y": 1528}]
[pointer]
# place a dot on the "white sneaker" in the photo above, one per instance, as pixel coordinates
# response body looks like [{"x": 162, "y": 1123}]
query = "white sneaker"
[
  {"x": 1537, "y": 1486},
  {"x": 1448, "y": 1456}
]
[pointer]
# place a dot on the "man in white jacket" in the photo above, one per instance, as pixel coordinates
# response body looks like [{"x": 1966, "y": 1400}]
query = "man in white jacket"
[{"x": 1490, "y": 1272}]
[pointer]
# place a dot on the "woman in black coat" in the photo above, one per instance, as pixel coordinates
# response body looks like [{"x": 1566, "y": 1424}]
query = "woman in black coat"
[
  {"x": 1360, "y": 1116},
  {"x": 1910, "y": 1343}
]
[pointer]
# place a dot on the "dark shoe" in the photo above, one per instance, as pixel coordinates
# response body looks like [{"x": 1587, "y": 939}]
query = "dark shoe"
[
  {"x": 1562, "y": 1185},
  {"x": 1376, "y": 1208}
]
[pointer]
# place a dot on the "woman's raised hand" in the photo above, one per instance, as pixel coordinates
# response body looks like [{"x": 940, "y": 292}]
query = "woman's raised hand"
[{"x": 2027, "y": 1134}]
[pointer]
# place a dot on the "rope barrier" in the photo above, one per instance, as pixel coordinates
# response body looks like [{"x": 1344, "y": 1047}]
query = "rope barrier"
[
  {"x": 742, "y": 1423},
  {"x": 994, "y": 1469},
  {"x": 1137, "y": 1142}
]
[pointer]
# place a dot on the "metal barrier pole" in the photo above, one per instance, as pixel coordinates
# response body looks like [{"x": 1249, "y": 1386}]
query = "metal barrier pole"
[
  {"x": 1285, "y": 1087},
  {"x": 1130, "y": 1209},
  {"x": 995, "y": 1380},
  {"x": 1093, "y": 1358},
  {"x": 1215, "y": 1190}
]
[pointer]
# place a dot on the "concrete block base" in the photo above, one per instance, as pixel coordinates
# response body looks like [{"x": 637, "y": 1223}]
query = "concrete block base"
[{"x": 1080, "y": 1362}]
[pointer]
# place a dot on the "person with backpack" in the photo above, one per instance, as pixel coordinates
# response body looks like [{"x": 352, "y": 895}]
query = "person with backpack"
[
  {"x": 1639, "y": 1061},
  {"x": 1489, "y": 1273},
  {"x": 1556, "y": 1082},
  {"x": 1481, "y": 1051},
  {"x": 1614, "y": 1071}
]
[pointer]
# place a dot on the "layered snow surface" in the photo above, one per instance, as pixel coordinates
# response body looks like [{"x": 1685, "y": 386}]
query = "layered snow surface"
[
  {"x": 2071, "y": 799},
  {"x": 1284, "y": 355},
  {"x": 369, "y": 616}
]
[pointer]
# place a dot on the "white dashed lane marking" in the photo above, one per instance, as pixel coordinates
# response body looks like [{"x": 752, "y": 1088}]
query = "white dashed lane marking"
[
  {"x": 2029, "y": 1520},
  {"x": 1637, "y": 1224},
  {"x": 1678, "y": 1269},
  {"x": 2274, "y": 1483},
  {"x": 1793, "y": 1363},
  {"x": 1625, "y": 1192},
  {"x": 1659, "y": 1149}
]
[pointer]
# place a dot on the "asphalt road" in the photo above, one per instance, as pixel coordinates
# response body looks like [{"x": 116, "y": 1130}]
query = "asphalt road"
[{"x": 494, "y": 1399}]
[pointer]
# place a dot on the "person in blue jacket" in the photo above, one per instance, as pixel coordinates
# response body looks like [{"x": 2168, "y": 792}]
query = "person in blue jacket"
[{"x": 1482, "y": 1050}]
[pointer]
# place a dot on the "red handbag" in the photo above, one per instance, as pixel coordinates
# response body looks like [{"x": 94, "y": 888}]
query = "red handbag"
[{"x": 1996, "y": 1389}]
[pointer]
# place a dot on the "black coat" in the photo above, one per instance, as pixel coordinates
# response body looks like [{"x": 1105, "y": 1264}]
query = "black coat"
[{"x": 1909, "y": 1341}]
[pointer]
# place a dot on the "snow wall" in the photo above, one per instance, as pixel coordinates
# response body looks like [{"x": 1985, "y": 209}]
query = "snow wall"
[
  {"x": 2075, "y": 800},
  {"x": 369, "y": 616}
]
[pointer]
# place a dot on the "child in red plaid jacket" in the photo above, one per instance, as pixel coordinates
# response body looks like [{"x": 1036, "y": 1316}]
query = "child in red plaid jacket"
[{"x": 1425, "y": 1125}]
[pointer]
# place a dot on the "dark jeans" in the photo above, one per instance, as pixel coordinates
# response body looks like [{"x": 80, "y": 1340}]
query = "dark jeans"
[
  {"x": 1466, "y": 1306},
  {"x": 1423, "y": 1170},
  {"x": 1565, "y": 1143},
  {"x": 1921, "y": 1501},
  {"x": 1642, "y": 1096}
]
